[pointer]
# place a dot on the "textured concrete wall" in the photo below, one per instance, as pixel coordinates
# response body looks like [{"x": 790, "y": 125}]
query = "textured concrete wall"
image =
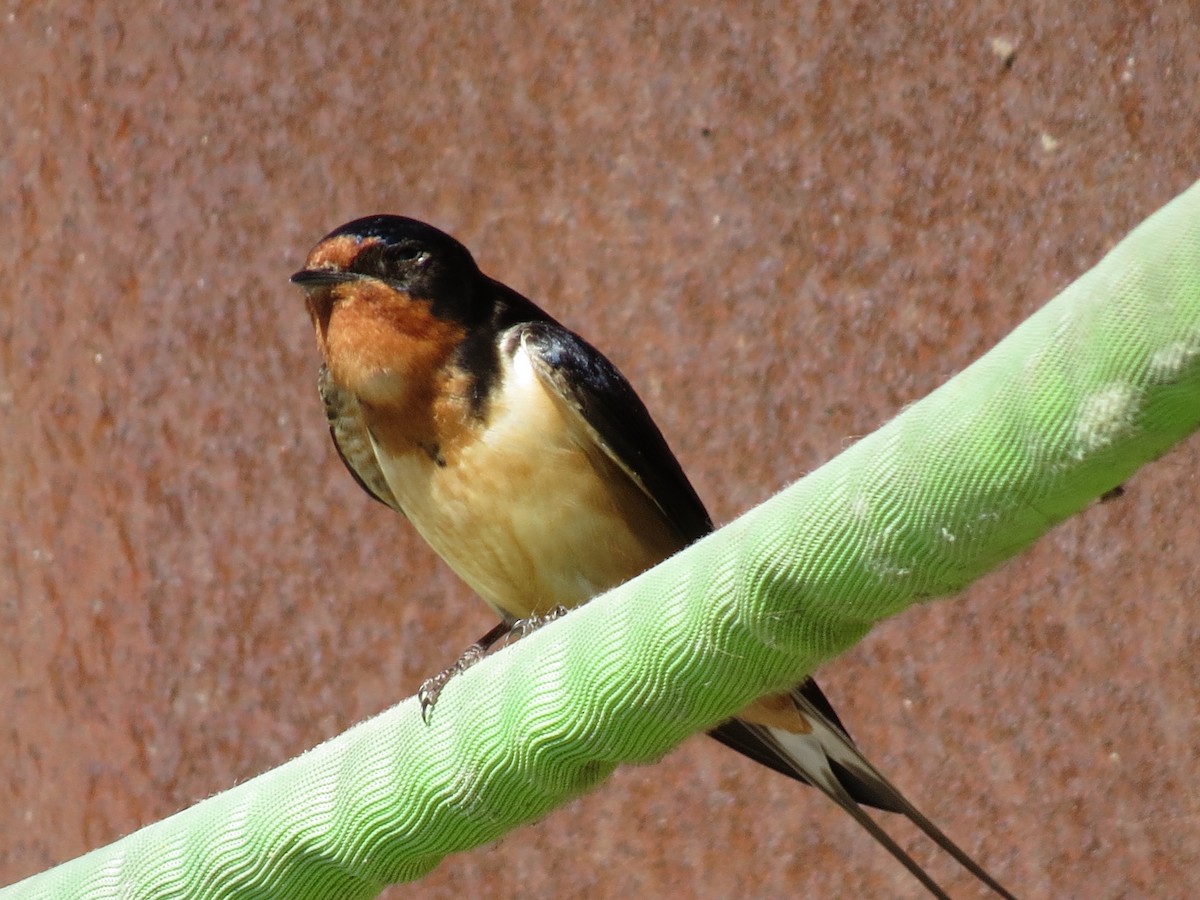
[{"x": 783, "y": 221}]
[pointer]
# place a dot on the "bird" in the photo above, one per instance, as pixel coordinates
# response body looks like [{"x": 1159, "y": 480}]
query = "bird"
[{"x": 528, "y": 463}]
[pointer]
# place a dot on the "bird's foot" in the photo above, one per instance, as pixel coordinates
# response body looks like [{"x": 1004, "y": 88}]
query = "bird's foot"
[
  {"x": 530, "y": 624},
  {"x": 428, "y": 693}
]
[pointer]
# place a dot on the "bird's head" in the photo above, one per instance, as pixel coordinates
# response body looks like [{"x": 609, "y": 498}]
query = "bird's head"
[{"x": 390, "y": 299}]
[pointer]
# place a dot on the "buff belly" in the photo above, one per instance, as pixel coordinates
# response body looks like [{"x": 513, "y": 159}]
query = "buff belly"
[{"x": 529, "y": 511}]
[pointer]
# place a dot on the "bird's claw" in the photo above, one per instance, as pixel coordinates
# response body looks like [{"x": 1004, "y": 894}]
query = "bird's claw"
[
  {"x": 428, "y": 693},
  {"x": 527, "y": 626},
  {"x": 431, "y": 689}
]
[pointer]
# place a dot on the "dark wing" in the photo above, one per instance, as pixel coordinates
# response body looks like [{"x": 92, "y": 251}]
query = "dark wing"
[
  {"x": 352, "y": 440},
  {"x": 593, "y": 387},
  {"x": 825, "y": 756}
]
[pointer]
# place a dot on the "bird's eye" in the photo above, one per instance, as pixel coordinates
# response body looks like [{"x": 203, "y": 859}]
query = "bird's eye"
[{"x": 408, "y": 254}]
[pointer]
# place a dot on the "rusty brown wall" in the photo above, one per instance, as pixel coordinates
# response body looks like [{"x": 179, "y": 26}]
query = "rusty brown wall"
[{"x": 782, "y": 220}]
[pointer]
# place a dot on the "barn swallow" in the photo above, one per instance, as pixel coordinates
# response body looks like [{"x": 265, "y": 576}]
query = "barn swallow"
[{"x": 528, "y": 463}]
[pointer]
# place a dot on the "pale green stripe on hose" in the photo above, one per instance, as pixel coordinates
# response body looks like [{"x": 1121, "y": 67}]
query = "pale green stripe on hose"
[{"x": 1101, "y": 380}]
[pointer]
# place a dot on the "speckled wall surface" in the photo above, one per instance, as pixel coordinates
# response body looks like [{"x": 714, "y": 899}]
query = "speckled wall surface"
[{"x": 783, "y": 221}]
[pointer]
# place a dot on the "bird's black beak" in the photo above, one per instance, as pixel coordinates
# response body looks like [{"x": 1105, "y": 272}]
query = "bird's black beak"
[{"x": 310, "y": 278}]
